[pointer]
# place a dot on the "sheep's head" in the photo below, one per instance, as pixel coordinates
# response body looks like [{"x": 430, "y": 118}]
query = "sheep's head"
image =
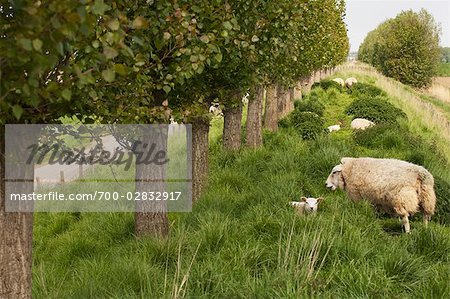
[
  {"x": 335, "y": 179},
  {"x": 311, "y": 203}
]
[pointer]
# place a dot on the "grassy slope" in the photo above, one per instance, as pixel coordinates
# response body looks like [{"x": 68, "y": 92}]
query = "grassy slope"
[
  {"x": 243, "y": 241},
  {"x": 444, "y": 70}
]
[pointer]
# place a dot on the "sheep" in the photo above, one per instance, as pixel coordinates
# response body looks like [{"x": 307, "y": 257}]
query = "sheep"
[
  {"x": 334, "y": 128},
  {"x": 361, "y": 124},
  {"x": 310, "y": 205},
  {"x": 215, "y": 109},
  {"x": 339, "y": 81},
  {"x": 350, "y": 81},
  {"x": 393, "y": 186}
]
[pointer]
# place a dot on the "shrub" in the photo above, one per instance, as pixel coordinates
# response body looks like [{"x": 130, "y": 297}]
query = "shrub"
[
  {"x": 310, "y": 104},
  {"x": 327, "y": 84},
  {"x": 376, "y": 109},
  {"x": 364, "y": 89},
  {"x": 308, "y": 124},
  {"x": 285, "y": 122},
  {"x": 387, "y": 136}
]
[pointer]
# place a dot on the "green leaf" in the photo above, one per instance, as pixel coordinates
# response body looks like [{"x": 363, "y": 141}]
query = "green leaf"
[
  {"x": 227, "y": 25},
  {"x": 167, "y": 88},
  {"x": 218, "y": 57},
  {"x": 37, "y": 44},
  {"x": 110, "y": 53},
  {"x": 25, "y": 43},
  {"x": 114, "y": 25},
  {"x": 205, "y": 39},
  {"x": 17, "y": 111},
  {"x": 109, "y": 75},
  {"x": 66, "y": 94},
  {"x": 100, "y": 7},
  {"x": 120, "y": 69}
]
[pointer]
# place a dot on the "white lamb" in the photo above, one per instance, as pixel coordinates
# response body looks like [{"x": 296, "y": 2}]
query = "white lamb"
[
  {"x": 361, "y": 124},
  {"x": 340, "y": 81},
  {"x": 310, "y": 205},
  {"x": 334, "y": 128},
  {"x": 350, "y": 81},
  {"x": 393, "y": 186}
]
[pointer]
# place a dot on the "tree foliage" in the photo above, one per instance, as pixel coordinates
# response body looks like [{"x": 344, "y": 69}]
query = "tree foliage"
[{"x": 405, "y": 48}]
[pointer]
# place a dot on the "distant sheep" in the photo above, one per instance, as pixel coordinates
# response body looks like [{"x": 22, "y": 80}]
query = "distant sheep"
[
  {"x": 308, "y": 205},
  {"x": 350, "y": 81},
  {"x": 393, "y": 186},
  {"x": 361, "y": 124},
  {"x": 334, "y": 128},
  {"x": 215, "y": 109},
  {"x": 339, "y": 81}
]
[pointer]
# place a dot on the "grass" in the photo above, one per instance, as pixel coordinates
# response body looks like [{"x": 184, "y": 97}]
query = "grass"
[
  {"x": 242, "y": 240},
  {"x": 444, "y": 70},
  {"x": 424, "y": 118}
]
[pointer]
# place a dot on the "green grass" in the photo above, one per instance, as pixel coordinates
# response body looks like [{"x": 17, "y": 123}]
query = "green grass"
[
  {"x": 242, "y": 240},
  {"x": 444, "y": 70}
]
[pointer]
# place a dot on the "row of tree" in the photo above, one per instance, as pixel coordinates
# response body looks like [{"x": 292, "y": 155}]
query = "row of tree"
[
  {"x": 148, "y": 62},
  {"x": 405, "y": 48}
]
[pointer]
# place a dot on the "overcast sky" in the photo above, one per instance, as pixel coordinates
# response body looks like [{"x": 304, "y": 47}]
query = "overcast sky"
[{"x": 365, "y": 15}]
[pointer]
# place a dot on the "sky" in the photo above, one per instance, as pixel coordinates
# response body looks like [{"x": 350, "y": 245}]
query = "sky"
[{"x": 365, "y": 15}]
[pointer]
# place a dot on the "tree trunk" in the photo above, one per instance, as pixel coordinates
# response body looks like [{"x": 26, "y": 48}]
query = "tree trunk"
[
  {"x": 254, "y": 117},
  {"x": 151, "y": 215},
  {"x": 270, "y": 115},
  {"x": 16, "y": 231},
  {"x": 200, "y": 150},
  {"x": 232, "y": 127},
  {"x": 297, "y": 92},
  {"x": 291, "y": 99},
  {"x": 283, "y": 101}
]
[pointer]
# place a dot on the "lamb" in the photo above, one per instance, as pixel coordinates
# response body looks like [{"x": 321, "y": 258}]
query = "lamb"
[
  {"x": 393, "y": 186},
  {"x": 310, "y": 205},
  {"x": 334, "y": 128},
  {"x": 361, "y": 124},
  {"x": 350, "y": 81},
  {"x": 339, "y": 81}
]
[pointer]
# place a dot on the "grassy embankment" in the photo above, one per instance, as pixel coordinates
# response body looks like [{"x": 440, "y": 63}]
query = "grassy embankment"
[
  {"x": 444, "y": 70},
  {"x": 242, "y": 239}
]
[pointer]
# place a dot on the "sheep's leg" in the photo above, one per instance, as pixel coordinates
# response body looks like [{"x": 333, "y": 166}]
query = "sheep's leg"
[
  {"x": 405, "y": 222},
  {"x": 425, "y": 219}
]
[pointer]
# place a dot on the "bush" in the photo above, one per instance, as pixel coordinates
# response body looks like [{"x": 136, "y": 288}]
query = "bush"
[
  {"x": 378, "y": 110},
  {"x": 364, "y": 89},
  {"x": 308, "y": 124},
  {"x": 327, "y": 84},
  {"x": 386, "y": 136},
  {"x": 310, "y": 104}
]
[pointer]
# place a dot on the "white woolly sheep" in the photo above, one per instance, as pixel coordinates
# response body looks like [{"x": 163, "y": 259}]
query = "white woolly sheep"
[
  {"x": 309, "y": 205},
  {"x": 393, "y": 186},
  {"x": 350, "y": 81},
  {"x": 334, "y": 128},
  {"x": 339, "y": 81},
  {"x": 361, "y": 124}
]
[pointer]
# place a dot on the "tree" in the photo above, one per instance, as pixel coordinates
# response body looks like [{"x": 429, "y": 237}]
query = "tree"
[
  {"x": 39, "y": 45},
  {"x": 405, "y": 48}
]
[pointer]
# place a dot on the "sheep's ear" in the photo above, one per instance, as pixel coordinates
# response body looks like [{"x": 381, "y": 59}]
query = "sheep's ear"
[
  {"x": 303, "y": 198},
  {"x": 320, "y": 199}
]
